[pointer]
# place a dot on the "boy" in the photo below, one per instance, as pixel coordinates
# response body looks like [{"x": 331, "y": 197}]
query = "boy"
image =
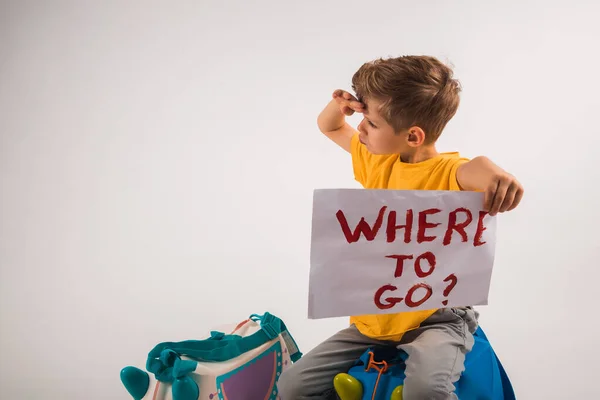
[{"x": 406, "y": 102}]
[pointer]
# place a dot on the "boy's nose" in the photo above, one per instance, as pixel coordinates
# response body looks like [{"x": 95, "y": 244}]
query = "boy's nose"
[{"x": 361, "y": 127}]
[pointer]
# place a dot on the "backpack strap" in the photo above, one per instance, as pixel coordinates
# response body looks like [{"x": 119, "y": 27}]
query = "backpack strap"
[{"x": 217, "y": 348}]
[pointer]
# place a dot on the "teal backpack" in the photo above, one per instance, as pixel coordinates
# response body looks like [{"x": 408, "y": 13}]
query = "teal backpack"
[{"x": 242, "y": 362}]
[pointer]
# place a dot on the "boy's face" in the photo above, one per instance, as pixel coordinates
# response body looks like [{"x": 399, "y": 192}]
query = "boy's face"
[{"x": 379, "y": 136}]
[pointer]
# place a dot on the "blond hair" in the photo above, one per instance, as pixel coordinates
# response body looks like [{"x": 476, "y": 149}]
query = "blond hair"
[{"x": 414, "y": 90}]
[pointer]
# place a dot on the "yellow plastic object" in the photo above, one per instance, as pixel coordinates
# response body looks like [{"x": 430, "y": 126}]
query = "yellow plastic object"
[
  {"x": 348, "y": 387},
  {"x": 397, "y": 393}
]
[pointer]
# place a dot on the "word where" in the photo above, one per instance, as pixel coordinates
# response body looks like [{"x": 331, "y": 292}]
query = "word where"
[{"x": 455, "y": 221}]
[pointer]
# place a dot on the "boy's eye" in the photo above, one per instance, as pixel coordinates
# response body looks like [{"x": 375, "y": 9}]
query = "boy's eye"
[{"x": 372, "y": 124}]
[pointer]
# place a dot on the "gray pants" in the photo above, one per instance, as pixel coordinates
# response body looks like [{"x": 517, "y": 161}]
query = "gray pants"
[{"x": 436, "y": 354}]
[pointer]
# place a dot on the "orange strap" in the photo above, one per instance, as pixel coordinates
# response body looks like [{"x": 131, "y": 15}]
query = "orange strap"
[{"x": 380, "y": 366}]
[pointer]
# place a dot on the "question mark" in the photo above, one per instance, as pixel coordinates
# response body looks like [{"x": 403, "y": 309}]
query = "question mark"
[{"x": 453, "y": 280}]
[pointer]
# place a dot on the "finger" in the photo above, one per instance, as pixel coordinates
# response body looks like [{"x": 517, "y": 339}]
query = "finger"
[
  {"x": 489, "y": 197},
  {"x": 347, "y": 111},
  {"x": 357, "y": 105},
  {"x": 352, "y": 105},
  {"x": 518, "y": 197},
  {"x": 499, "y": 197},
  {"x": 348, "y": 96},
  {"x": 510, "y": 197},
  {"x": 347, "y": 99}
]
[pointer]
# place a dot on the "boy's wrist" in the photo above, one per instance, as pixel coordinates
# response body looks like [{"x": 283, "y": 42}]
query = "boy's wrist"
[
  {"x": 503, "y": 192},
  {"x": 331, "y": 118}
]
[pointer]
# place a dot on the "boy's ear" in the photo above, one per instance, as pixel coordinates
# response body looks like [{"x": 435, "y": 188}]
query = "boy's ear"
[{"x": 415, "y": 136}]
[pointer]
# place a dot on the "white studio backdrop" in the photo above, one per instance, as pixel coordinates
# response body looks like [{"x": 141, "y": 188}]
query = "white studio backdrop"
[{"x": 157, "y": 163}]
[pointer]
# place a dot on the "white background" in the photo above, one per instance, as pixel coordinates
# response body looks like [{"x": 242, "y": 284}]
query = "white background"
[{"x": 157, "y": 162}]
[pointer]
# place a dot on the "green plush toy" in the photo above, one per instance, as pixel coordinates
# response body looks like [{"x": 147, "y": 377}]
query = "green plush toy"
[{"x": 348, "y": 387}]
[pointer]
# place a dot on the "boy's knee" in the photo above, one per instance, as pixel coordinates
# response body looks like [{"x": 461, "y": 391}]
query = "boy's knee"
[{"x": 423, "y": 388}]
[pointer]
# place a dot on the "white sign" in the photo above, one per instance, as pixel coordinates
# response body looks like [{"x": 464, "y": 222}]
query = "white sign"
[{"x": 379, "y": 251}]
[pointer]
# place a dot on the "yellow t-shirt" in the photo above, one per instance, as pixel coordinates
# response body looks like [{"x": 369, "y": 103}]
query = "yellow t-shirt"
[{"x": 388, "y": 172}]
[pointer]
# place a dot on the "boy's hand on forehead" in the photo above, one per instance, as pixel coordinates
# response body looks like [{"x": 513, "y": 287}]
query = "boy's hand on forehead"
[
  {"x": 348, "y": 103},
  {"x": 332, "y": 120}
]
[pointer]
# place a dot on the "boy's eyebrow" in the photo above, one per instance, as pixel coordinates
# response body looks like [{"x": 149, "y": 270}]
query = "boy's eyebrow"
[{"x": 366, "y": 115}]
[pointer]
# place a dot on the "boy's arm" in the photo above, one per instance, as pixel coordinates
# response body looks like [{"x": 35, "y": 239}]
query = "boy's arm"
[
  {"x": 332, "y": 120},
  {"x": 502, "y": 190}
]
